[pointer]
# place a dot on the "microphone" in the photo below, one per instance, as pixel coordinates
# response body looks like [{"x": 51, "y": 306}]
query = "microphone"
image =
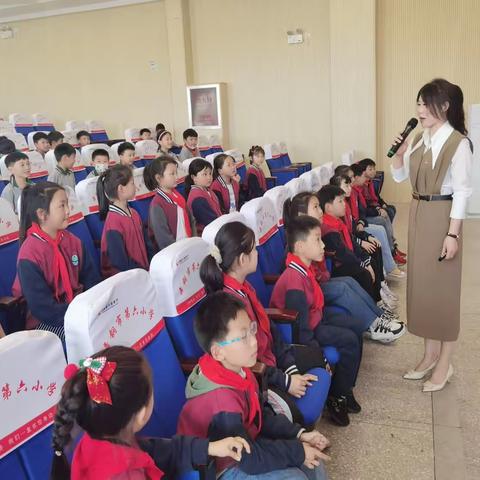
[{"x": 411, "y": 124}]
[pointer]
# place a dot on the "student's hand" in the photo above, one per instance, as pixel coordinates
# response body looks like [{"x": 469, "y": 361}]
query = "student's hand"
[
  {"x": 382, "y": 212},
  {"x": 237, "y": 178},
  {"x": 375, "y": 241},
  {"x": 299, "y": 384},
  {"x": 313, "y": 456},
  {"x": 369, "y": 247},
  {"x": 315, "y": 439},
  {"x": 229, "y": 447},
  {"x": 450, "y": 248},
  {"x": 403, "y": 148},
  {"x": 360, "y": 227},
  {"x": 372, "y": 273}
]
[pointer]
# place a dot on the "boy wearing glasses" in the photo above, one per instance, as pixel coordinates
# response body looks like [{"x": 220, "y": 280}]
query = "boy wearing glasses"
[{"x": 223, "y": 399}]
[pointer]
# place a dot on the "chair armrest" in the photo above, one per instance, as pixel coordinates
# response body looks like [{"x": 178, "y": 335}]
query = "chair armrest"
[
  {"x": 301, "y": 163},
  {"x": 280, "y": 315},
  {"x": 283, "y": 169},
  {"x": 270, "y": 279}
]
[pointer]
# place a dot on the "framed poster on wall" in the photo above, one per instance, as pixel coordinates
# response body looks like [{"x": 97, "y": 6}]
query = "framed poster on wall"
[{"x": 205, "y": 106}]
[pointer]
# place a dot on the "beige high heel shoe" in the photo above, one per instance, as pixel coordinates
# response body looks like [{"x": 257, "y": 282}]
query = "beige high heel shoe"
[
  {"x": 418, "y": 375},
  {"x": 428, "y": 386}
]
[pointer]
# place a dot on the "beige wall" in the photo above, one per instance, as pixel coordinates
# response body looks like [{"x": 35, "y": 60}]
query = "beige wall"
[
  {"x": 418, "y": 41},
  {"x": 90, "y": 65}
]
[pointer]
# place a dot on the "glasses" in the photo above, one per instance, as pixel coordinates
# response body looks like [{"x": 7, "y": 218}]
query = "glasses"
[{"x": 252, "y": 331}]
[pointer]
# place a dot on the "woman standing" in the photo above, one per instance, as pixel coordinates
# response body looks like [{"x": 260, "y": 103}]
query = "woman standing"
[{"x": 438, "y": 162}]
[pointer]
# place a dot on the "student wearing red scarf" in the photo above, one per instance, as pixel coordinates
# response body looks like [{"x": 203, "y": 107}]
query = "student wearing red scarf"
[
  {"x": 53, "y": 265},
  {"x": 223, "y": 397},
  {"x": 297, "y": 289},
  {"x": 190, "y": 146}
]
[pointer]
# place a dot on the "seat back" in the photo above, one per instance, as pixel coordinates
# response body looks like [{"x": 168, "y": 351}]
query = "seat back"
[
  {"x": 210, "y": 158},
  {"x": 76, "y": 125},
  {"x": 31, "y": 373},
  {"x": 87, "y": 151},
  {"x": 133, "y": 134},
  {"x": 18, "y": 139},
  {"x": 296, "y": 185},
  {"x": 210, "y": 231},
  {"x": 86, "y": 192},
  {"x": 308, "y": 178},
  {"x": 23, "y": 123},
  {"x": 38, "y": 167},
  {"x": 316, "y": 178},
  {"x": 8, "y": 247},
  {"x": 126, "y": 310},
  {"x": 273, "y": 155},
  {"x": 30, "y": 135},
  {"x": 347, "y": 158},
  {"x": 6, "y": 127},
  {"x": 278, "y": 195},
  {"x": 215, "y": 144},
  {"x": 143, "y": 196},
  {"x": 70, "y": 136},
  {"x": 42, "y": 123},
  {"x": 175, "y": 274},
  {"x": 97, "y": 131},
  {"x": 203, "y": 146},
  {"x": 146, "y": 150}
]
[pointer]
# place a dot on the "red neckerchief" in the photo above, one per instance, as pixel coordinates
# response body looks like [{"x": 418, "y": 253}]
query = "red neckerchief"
[
  {"x": 217, "y": 373},
  {"x": 258, "y": 172},
  {"x": 95, "y": 459},
  {"x": 178, "y": 200},
  {"x": 193, "y": 151},
  {"x": 340, "y": 227},
  {"x": 294, "y": 262},
  {"x": 60, "y": 270},
  {"x": 263, "y": 320},
  {"x": 353, "y": 203},
  {"x": 372, "y": 193},
  {"x": 348, "y": 216},
  {"x": 360, "y": 195}
]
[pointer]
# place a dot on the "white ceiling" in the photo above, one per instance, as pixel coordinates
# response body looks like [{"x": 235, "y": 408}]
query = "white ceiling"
[{"x": 14, "y": 10}]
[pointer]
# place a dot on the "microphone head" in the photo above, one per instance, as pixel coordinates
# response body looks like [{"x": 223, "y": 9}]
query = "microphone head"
[{"x": 412, "y": 123}]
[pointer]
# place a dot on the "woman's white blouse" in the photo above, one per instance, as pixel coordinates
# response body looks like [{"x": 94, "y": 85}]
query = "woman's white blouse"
[{"x": 457, "y": 178}]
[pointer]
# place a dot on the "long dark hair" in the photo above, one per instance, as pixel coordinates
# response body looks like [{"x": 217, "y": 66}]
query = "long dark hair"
[
  {"x": 255, "y": 150},
  {"x": 439, "y": 91},
  {"x": 156, "y": 167},
  {"x": 298, "y": 205},
  {"x": 232, "y": 240},
  {"x": 218, "y": 163},
  {"x": 107, "y": 186},
  {"x": 194, "y": 169},
  {"x": 34, "y": 197},
  {"x": 130, "y": 389}
]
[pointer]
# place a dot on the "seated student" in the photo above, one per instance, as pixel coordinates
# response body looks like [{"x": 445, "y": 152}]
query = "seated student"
[
  {"x": 165, "y": 142},
  {"x": 190, "y": 148},
  {"x": 55, "y": 138},
  {"x": 65, "y": 156},
  {"x": 53, "y": 265},
  {"x": 18, "y": 165},
  {"x": 233, "y": 258},
  {"x": 223, "y": 399},
  {"x": 158, "y": 128},
  {"x": 100, "y": 162},
  {"x": 123, "y": 243},
  {"x": 201, "y": 201},
  {"x": 375, "y": 215},
  {"x": 343, "y": 170},
  {"x": 83, "y": 138},
  {"x": 361, "y": 226},
  {"x": 6, "y": 145},
  {"x": 145, "y": 134},
  {"x": 256, "y": 182},
  {"x": 111, "y": 415},
  {"x": 297, "y": 289},
  {"x": 42, "y": 145},
  {"x": 126, "y": 154},
  {"x": 374, "y": 199},
  {"x": 225, "y": 184},
  {"x": 169, "y": 218}
]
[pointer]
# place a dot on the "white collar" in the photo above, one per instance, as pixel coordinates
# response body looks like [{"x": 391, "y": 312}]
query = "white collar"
[{"x": 437, "y": 140}]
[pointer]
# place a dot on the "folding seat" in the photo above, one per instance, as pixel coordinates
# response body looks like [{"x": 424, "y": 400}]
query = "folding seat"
[
  {"x": 31, "y": 372},
  {"x": 86, "y": 192},
  {"x": 143, "y": 196},
  {"x": 146, "y": 150},
  {"x": 23, "y": 123},
  {"x": 316, "y": 178},
  {"x": 210, "y": 158},
  {"x": 175, "y": 274},
  {"x": 70, "y": 136},
  {"x": 6, "y": 127},
  {"x": 239, "y": 162},
  {"x": 42, "y": 123},
  {"x": 304, "y": 166},
  {"x": 297, "y": 185},
  {"x": 278, "y": 195},
  {"x": 325, "y": 174},
  {"x": 76, "y": 125},
  {"x": 204, "y": 146},
  {"x": 18, "y": 139},
  {"x": 133, "y": 135},
  {"x": 215, "y": 145},
  {"x": 274, "y": 162},
  {"x": 126, "y": 310},
  {"x": 38, "y": 167},
  {"x": 308, "y": 177},
  {"x": 97, "y": 131}
]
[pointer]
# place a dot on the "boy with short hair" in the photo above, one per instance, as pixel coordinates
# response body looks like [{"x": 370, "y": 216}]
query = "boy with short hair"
[
  {"x": 100, "y": 162},
  {"x": 55, "y": 138},
  {"x": 223, "y": 399},
  {"x": 190, "y": 148},
  {"x": 297, "y": 289},
  {"x": 63, "y": 175},
  {"x": 145, "y": 134},
  {"x": 18, "y": 165},
  {"x": 42, "y": 145},
  {"x": 126, "y": 154},
  {"x": 83, "y": 138}
]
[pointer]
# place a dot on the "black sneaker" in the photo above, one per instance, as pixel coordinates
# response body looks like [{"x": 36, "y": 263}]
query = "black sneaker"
[
  {"x": 337, "y": 408},
  {"x": 352, "y": 405}
]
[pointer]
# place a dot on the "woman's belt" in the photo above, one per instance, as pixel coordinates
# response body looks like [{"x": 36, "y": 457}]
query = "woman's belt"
[{"x": 431, "y": 198}]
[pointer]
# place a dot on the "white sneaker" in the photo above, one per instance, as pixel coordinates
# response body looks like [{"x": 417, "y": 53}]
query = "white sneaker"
[
  {"x": 388, "y": 301},
  {"x": 391, "y": 316},
  {"x": 389, "y": 293},
  {"x": 384, "y": 331}
]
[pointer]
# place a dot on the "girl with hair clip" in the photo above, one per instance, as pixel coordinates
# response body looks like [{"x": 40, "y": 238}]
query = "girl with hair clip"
[
  {"x": 226, "y": 183},
  {"x": 200, "y": 199},
  {"x": 123, "y": 243},
  {"x": 380, "y": 324},
  {"x": 110, "y": 396},
  {"x": 169, "y": 218},
  {"x": 256, "y": 183},
  {"x": 232, "y": 259},
  {"x": 53, "y": 265}
]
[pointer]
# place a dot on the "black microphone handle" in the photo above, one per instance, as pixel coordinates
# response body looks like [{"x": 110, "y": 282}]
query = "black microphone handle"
[{"x": 404, "y": 135}]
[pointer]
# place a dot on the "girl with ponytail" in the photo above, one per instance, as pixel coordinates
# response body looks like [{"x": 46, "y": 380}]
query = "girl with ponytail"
[
  {"x": 232, "y": 259},
  {"x": 226, "y": 183},
  {"x": 110, "y": 397},
  {"x": 53, "y": 265},
  {"x": 255, "y": 180},
  {"x": 123, "y": 243}
]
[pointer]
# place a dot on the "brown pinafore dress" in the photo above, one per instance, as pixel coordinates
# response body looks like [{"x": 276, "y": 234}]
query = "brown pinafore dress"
[{"x": 433, "y": 287}]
